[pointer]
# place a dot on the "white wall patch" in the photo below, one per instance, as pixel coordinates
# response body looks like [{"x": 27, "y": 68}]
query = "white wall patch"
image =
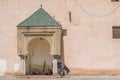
[
  {"x": 16, "y": 67},
  {"x": 2, "y": 66}
]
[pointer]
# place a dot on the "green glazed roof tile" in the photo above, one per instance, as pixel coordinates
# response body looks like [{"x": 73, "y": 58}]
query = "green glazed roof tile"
[{"x": 39, "y": 19}]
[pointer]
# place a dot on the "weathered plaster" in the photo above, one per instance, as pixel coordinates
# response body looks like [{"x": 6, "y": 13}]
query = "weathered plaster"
[{"x": 88, "y": 43}]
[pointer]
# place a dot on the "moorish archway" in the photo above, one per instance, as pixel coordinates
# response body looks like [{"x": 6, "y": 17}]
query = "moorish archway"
[
  {"x": 39, "y": 26},
  {"x": 40, "y": 58}
]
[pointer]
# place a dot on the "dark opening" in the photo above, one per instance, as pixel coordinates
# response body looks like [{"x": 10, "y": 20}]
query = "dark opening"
[
  {"x": 116, "y": 32},
  {"x": 70, "y": 17},
  {"x": 114, "y": 0}
]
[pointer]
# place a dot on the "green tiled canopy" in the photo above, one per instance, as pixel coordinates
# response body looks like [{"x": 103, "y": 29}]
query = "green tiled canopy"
[{"x": 39, "y": 19}]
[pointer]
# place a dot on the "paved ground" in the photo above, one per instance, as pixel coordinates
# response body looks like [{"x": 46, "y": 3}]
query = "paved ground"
[{"x": 65, "y": 78}]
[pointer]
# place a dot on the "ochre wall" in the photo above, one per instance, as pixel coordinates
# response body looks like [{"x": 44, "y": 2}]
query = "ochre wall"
[{"x": 88, "y": 46}]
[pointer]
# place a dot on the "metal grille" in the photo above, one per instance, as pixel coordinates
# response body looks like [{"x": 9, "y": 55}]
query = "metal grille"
[
  {"x": 114, "y": 0},
  {"x": 116, "y": 32}
]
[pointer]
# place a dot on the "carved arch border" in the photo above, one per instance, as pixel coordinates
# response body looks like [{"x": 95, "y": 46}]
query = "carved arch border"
[
  {"x": 52, "y": 35},
  {"x": 49, "y": 39}
]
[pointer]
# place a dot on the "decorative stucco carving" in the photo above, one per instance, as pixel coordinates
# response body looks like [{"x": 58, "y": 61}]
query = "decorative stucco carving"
[{"x": 51, "y": 34}]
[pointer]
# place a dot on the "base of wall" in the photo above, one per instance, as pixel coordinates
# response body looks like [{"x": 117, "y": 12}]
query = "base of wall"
[
  {"x": 12, "y": 73},
  {"x": 83, "y": 72},
  {"x": 93, "y": 72}
]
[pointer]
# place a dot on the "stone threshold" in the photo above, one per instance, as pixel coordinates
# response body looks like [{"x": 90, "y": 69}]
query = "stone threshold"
[{"x": 38, "y": 76}]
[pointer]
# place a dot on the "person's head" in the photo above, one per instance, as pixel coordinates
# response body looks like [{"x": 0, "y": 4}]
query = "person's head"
[{"x": 59, "y": 61}]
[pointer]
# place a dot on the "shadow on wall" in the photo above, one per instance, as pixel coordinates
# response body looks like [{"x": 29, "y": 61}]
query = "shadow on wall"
[{"x": 64, "y": 33}]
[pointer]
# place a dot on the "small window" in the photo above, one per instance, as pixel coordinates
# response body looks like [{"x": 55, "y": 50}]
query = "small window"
[
  {"x": 114, "y": 0},
  {"x": 116, "y": 32}
]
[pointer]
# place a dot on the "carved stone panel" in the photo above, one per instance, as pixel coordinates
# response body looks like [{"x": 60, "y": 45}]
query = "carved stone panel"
[{"x": 51, "y": 34}]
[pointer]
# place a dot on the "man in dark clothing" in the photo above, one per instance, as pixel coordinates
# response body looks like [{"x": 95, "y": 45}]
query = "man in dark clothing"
[
  {"x": 66, "y": 69},
  {"x": 61, "y": 68}
]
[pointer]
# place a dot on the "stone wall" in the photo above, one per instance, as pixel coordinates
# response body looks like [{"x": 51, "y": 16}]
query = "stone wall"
[{"x": 88, "y": 44}]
